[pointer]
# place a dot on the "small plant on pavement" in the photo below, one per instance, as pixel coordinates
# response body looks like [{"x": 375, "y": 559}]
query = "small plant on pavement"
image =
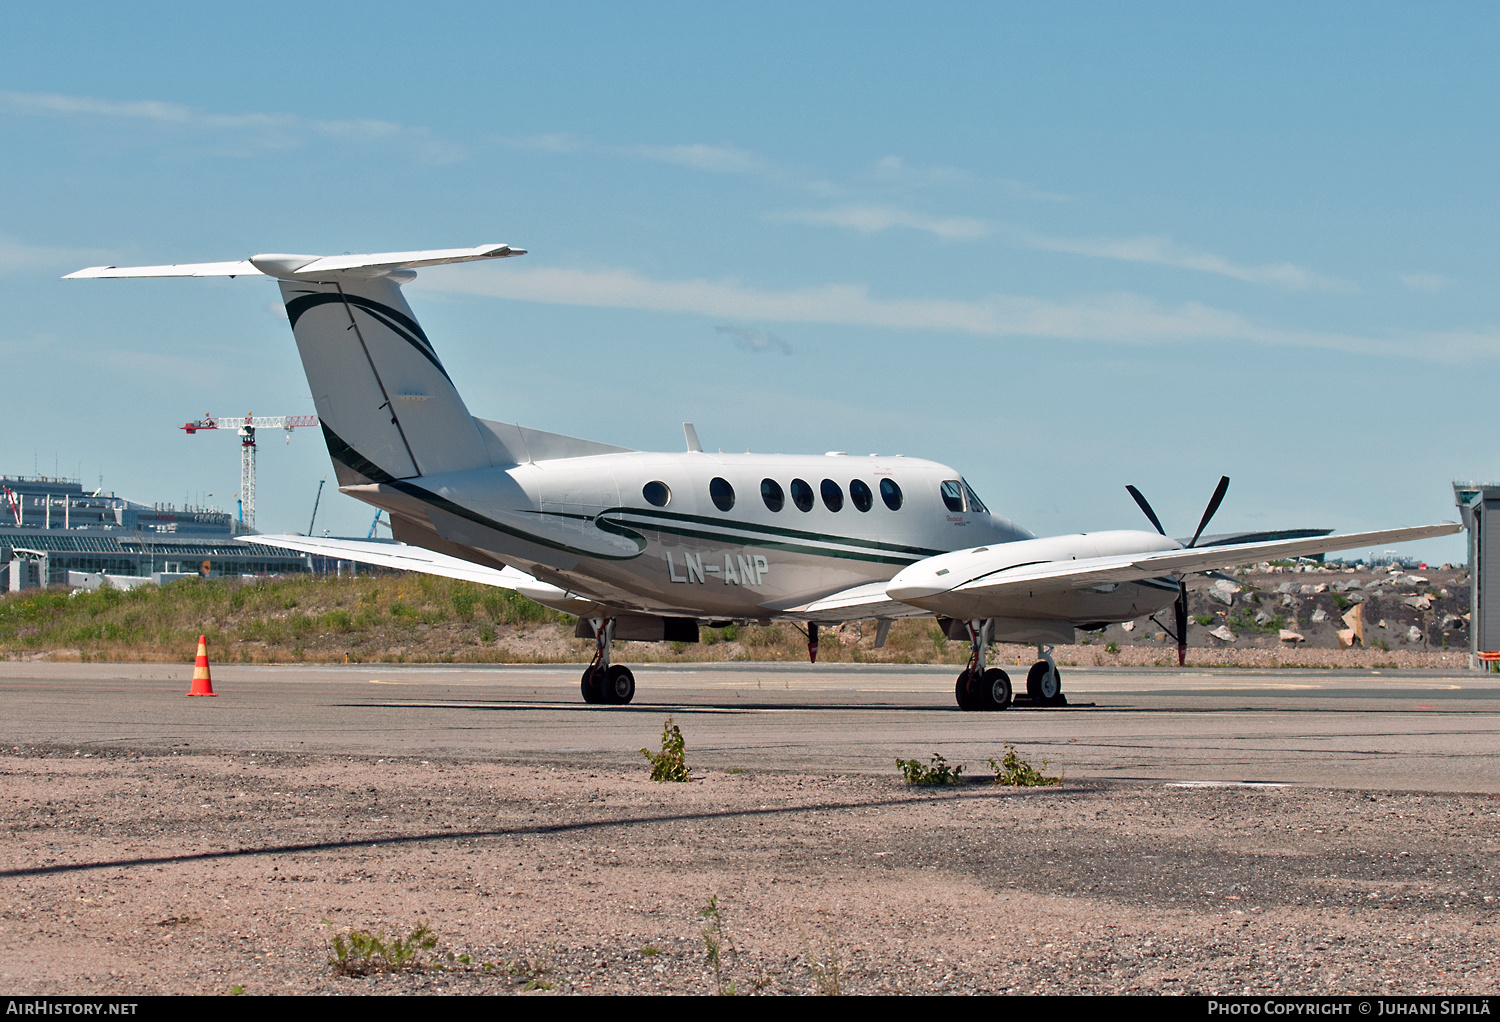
[
  {"x": 939, "y": 772},
  {"x": 360, "y": 952},
  {"x": 1015, "y": 771},
  {"x": 717, "y": 944},
  {"x": 671, "y": 763}
]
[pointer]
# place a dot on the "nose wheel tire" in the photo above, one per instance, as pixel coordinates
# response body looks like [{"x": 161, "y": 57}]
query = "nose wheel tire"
[
  {"x": 1044, "y": 685},
  {"x": 619, "y": 685}
]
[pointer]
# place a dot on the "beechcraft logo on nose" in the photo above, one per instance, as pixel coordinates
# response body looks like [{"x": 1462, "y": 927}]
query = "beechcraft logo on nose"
[{"x": 737, "y": 570}]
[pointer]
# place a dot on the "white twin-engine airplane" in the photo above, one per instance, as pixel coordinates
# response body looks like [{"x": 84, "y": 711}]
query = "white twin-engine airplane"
[{"x": 646, "y": 546}]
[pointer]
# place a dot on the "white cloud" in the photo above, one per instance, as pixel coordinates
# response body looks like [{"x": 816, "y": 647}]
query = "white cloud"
[
  {"x": 258, "y": 131},
  {"x": 719, "y": 159},
  {"x": 754, "y": 340},
  {"x": 1109, "y": 318},
  {"x": 1427, "y": 283},
  {"x": 893, "y": 170},
  {"x": 557, "y": 142},
  {"x": 1162, "y": 251},
  {"x": 871, "y": 219}
]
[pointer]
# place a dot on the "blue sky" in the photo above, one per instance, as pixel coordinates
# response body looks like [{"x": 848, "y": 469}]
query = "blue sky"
[{"x": 1061, "y": 247}]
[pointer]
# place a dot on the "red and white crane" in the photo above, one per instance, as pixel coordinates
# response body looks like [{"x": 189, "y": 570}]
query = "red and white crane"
[{"x": 247, "y": 425}]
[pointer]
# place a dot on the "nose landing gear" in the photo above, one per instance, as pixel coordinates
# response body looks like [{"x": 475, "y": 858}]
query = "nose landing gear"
[{"x": 1044, "y": 680}]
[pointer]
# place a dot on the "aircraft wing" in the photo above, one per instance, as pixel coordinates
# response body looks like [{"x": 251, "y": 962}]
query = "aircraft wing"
[
  {"x": 970, "y": 580},
  {"x": 413, "y": 558},
  {"x": 855, "y": 604}
]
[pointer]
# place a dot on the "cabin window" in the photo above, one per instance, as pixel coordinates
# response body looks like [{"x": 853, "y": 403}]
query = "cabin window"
[
  {"x": 833, "y": 496},
  {"x": 770, "y": 492},
  {"x": 890, "y": 492},
  {"x": 721, "y": 492},
  {"x": 953, "y": 495},
  {"x": 802, "y": 495},
  {"x": 860, "y": 495},
  {"x": 657, "y": 492}
]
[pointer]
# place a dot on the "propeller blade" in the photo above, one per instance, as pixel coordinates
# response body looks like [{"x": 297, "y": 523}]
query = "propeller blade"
[
  {"x": 1213, "y": 505},
  {"x": 1141, "y": 502}
]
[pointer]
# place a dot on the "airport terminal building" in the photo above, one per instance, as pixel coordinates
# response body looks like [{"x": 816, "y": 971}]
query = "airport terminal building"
[{"x": 50, "y": 526}]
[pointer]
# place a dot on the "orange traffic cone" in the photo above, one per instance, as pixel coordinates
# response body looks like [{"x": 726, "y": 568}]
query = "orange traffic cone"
[{"x": 202, "y": 684}]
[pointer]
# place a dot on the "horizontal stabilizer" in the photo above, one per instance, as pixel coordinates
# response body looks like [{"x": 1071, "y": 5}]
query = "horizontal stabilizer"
[{"x": 308, "y": 267}]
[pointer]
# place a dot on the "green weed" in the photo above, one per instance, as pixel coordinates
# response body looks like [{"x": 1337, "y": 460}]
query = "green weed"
[
  {"x": 671, "y": 763},
  {"x": 1111, "y": 647},
  {"x": 717, "y": 944},
  {"x": 360, "y": 952},
  {"x": 939, "y": 772},
  {"x": 1015, "y": 771}
]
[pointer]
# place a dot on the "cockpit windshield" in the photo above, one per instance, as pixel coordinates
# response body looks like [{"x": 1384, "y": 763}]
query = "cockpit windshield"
[
  {"x": 959, "y": 497},
  {"x": 974, "y": 504}
]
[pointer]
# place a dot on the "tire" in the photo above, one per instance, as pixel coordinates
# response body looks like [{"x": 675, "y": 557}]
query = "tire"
[
  {"x": 592, "y": 692},
  {"x": 994, "y": 689},
  {"x": 619, "y": 685},
  {"x": 966, "y": 692},
  {"x": 1044, "y": 685}
]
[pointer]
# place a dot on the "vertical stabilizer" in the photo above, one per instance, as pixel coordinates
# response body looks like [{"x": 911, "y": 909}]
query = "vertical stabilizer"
[{"x": 388, "y": 407}]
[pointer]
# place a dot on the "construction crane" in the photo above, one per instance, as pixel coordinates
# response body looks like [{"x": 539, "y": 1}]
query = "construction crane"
[{"x": 247, "y": 425}]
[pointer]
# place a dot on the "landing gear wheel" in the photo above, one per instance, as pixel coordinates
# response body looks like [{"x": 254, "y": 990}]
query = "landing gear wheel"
[
  {"x": 994, "y": 689},
  {"x": 619, "y": 685},
  {"x": 593, "y": 692},
  {"x": 967, "y": 692},
  {"x": 1044, "y": 685}
]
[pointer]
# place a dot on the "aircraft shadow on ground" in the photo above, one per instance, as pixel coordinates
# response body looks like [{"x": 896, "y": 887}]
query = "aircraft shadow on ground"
[{"x": 977, "y": 789}]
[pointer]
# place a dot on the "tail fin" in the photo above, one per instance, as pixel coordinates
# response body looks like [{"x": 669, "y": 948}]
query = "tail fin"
[{"x": 388, "y": 407}]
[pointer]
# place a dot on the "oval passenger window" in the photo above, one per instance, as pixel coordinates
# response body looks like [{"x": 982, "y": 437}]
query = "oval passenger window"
[
  {"x": 860, "y": 495},
  {"x": 657, "y": 492},
  {"x": 890, "y": 492},
  {"x": 770, "y": 492},
  {"x": 722, "y": 493},
  {"x": 833, "y": 497},
  {"x": 802, "y": 495}
]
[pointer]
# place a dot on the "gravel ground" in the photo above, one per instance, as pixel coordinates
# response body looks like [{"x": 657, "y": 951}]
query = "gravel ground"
[{"x": 566, "y": 877}]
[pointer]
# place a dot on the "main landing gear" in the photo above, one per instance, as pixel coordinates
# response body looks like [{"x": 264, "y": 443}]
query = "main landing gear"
[
  {"x": 603, "y": 682},
  {"x": 980, "y": 687},
  {"x": 988, "y": 688}
]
